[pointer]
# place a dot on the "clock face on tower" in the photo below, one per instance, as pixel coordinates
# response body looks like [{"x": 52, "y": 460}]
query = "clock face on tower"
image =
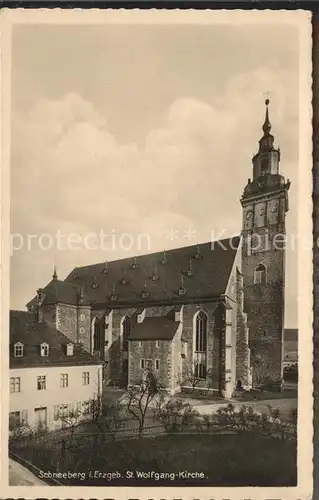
[{"x": 249, "y": 215}]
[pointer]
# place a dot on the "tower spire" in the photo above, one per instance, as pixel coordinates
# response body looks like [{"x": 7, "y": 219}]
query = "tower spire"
[
  {"x": 54, "y": 275},
  {"x": 267, "y": 124}
]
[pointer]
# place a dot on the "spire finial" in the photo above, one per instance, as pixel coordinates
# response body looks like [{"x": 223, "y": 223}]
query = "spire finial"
[
  {"x": 54, "y": 275},
  {"x": 267, "y": 124}
]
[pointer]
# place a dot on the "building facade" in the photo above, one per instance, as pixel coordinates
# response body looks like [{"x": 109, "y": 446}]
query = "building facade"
[
  {"x": 207, "y": 316},
  {"x": 50, "y": 377}
]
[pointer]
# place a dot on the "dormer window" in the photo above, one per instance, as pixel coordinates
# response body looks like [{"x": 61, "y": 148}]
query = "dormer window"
[
  {"x": 155, "y": 276},
  {"x": 145, "y": 293},
  {"x": 105, "y": 269},
  {"x": 44, "y": 349},
  {"x": 95, "y": 284},
  {"x": 190, "y": 269},
  {"x": 18, "y": 350},
  {"x": 70, "y": 349},
  {"x": 124, "y": 280},
  {"x": 113, "y": 295},
  {"x": 164, "y": 259},
  {"x": 197, "y": 254},
  {"x": 182, "y": 289}
]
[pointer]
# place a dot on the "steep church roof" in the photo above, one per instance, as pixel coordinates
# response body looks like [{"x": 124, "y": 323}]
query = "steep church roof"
[
  {"x": 182, "y": 274},
  {"x": 62, "y": 292}
]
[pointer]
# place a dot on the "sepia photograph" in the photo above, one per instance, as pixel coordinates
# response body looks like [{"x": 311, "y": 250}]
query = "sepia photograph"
[{"x": 160, "y": 267}]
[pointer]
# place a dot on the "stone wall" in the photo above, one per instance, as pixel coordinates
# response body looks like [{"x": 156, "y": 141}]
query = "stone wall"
[
  {"x": 150, "y": 350},
  {"x": 264, "y": 305},
  {"x": 84, "y": 327},
  {"x": 49, "y": 313},
  {"x": 66, "y": 320},
  {"x": 243, "y": 373}
]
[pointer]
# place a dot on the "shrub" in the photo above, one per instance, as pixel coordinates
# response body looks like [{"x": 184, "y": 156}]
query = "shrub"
[
  {"x": 176, "y": 415},
  {"x": 247, "y": 420}
]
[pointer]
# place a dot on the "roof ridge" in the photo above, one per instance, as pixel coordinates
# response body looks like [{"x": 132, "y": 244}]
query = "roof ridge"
[{"x": 154, "y": 253}]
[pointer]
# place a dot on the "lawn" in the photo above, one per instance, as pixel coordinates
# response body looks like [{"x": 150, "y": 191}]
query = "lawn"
[{"x": 222, "y": 459}]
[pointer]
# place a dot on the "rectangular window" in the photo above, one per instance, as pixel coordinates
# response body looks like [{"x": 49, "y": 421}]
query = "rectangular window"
[
  {"x": 142, "y": 364},
  {"x": 85, "y": 378},
  {"x": 157, "y": 343},
  {"x": 86, "y": 407},
  {"x": 15, "y": 384},
  {"x": 64, "y": 380},
  {"x": 41, "y": 383},
  {"x": 18, "y": 350},
  {"x": 61, "y": 411},
  {"x": 157, "y": 364},
  {"x": 140, "y": 344},
  {"x": 14, "y": 420},
  {"x": 17, "y": 419}
]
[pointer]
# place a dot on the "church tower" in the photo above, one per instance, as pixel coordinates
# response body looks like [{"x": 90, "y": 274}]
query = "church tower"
[{"x": 265, "y": 204}]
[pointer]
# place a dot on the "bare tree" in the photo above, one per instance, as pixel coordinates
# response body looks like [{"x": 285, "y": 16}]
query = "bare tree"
[
  {"x": 138, "y": 398},
  {"x": 193, "y": 377},
  {"x": 69, "y": 421}
]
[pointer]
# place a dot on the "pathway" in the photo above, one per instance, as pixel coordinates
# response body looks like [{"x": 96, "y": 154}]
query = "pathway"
[{"x": 20, "y": 476}]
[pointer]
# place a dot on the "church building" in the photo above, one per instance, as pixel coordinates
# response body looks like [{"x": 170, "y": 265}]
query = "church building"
[{"x": 208, "y": 316}]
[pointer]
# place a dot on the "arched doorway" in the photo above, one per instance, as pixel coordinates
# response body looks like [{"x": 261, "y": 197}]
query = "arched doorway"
[{"x": 149, "y": 382}]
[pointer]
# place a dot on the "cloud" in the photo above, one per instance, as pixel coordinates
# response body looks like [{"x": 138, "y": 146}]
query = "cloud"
[{"x": 70, "y": 173}]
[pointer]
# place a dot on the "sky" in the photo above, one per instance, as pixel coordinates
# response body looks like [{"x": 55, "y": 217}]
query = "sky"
[{"x": 142, "y": 130}]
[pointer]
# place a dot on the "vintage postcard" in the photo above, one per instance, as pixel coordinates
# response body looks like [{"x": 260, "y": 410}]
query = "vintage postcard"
[{"x": 156, "y": 254}]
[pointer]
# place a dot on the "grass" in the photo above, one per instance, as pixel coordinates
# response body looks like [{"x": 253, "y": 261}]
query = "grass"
[{"x": 225, "y": 460}]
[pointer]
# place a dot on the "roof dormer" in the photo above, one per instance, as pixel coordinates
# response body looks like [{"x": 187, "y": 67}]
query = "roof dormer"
[
  {"x": 44, "y": 349},
  {"x": 70, "y": 349},
  {"x": 18, "y": 350}
]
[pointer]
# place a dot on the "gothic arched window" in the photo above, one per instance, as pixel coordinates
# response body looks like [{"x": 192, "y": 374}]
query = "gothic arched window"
[
  {"x": 260, "y": 275},
  {"x": 201, "y": 332},
  {"x": 126, "y": 330},
  {"x": 200, "y": 350}
]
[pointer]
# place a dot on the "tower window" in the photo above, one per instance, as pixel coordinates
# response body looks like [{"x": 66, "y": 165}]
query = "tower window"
[{"x": 260, "y": 277}]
